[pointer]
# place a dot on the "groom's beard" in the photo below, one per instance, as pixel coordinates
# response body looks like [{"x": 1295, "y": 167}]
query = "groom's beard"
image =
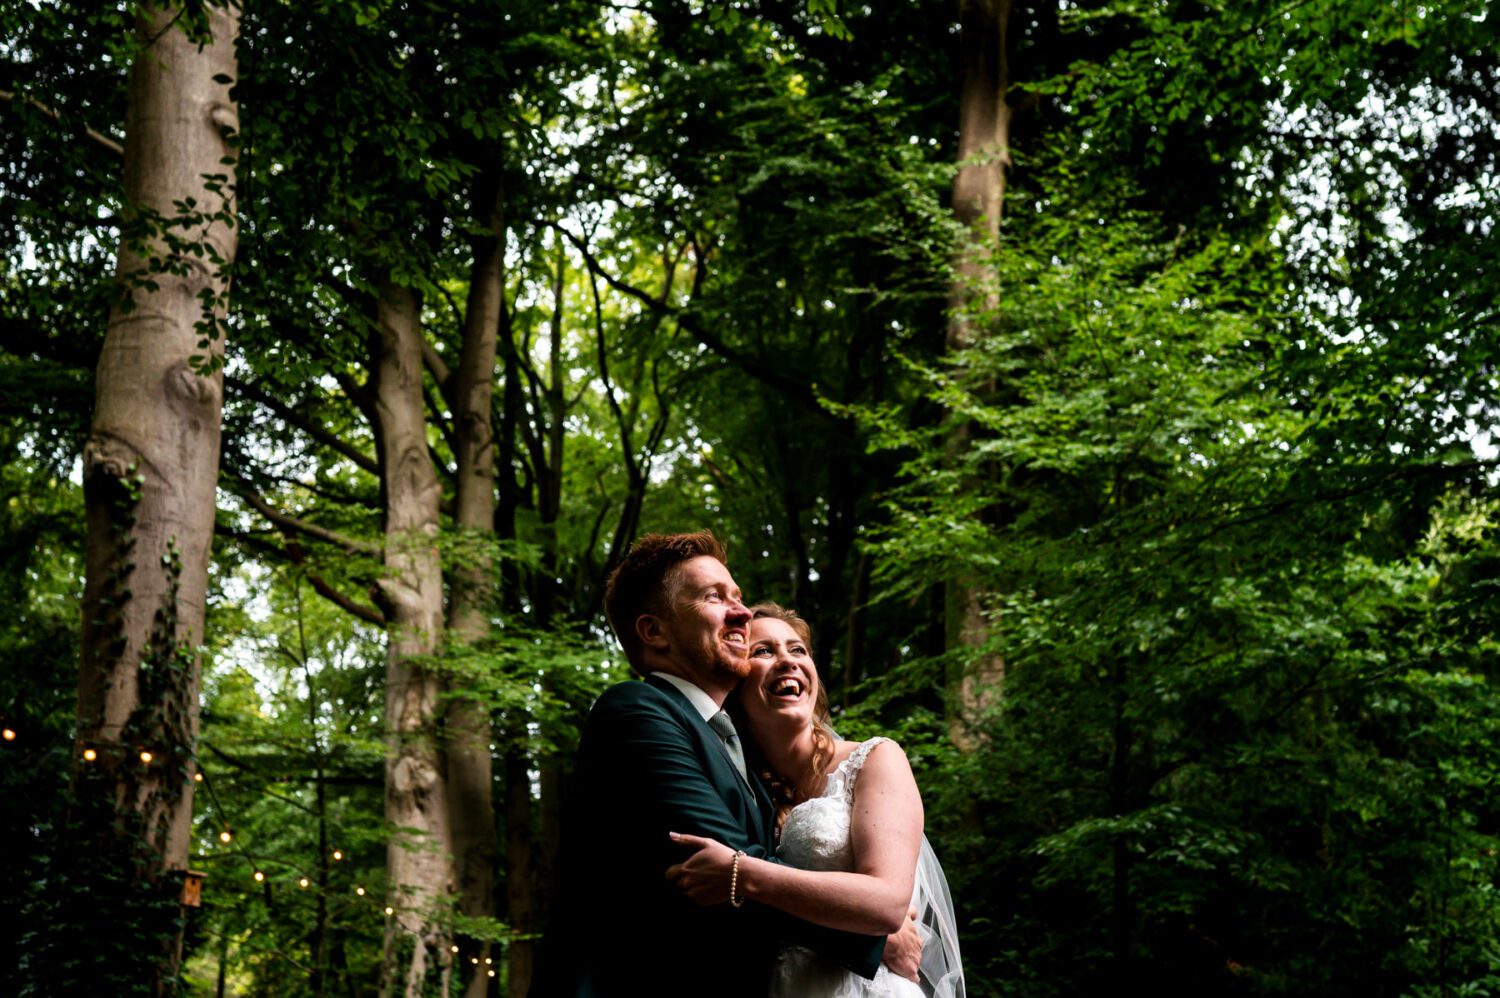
[
  {"x": 720, "y": 659},
  {"x": 737, "y": 666}
]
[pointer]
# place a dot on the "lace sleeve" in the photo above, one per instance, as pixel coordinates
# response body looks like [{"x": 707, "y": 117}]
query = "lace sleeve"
[{"x": 848, "y": 770}]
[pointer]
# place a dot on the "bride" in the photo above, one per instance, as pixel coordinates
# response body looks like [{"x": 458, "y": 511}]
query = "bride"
[{"x": 850, "y": 822}]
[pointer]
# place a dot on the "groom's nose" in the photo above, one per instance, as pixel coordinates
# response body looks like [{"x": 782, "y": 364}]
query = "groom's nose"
[{"x": 738, "y": 612}]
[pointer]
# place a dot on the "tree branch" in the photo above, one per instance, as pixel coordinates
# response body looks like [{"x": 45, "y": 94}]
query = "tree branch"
[
  {"x": 314, "y": 430},
  {"x": 97, "y": 137},
  {"x": 438, "y": 368},
  {"x": 293, "y": 552},
  {"x": 298, "y": 525},
  {"x": 771, "y": 376}
]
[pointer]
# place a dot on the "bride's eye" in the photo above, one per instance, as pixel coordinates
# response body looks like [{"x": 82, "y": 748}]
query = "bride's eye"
[{"x": 760, "y": 651}]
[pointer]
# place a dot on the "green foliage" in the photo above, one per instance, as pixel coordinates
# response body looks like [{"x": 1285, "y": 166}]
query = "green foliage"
[
  {"x": 292, "y": 756},
  {"x": 41, "y": 572},
  {"x": 1228, "y": 755},
  {"x": 1220, "y": 462}
]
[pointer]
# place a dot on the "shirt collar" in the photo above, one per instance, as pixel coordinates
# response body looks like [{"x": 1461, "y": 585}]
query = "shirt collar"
[{"x": 701, "y": 701}]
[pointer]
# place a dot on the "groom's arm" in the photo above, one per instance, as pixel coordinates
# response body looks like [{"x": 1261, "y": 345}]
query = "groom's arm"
[{"x": 657, "y": 757}]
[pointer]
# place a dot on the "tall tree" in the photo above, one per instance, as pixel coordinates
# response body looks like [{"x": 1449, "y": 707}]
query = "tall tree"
[
  {"x": 471, "y": 590},
  {"x": 419, "y": 864},
  {"x": 974, "y": 300},
  {"x": 150, "y": 465}
]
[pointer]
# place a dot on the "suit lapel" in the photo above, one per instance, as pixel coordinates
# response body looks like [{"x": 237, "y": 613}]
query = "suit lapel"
[{"x": 749, "y": 787}]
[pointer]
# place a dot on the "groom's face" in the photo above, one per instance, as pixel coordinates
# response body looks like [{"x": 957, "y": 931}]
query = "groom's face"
[{"x": 708, "y": 625}]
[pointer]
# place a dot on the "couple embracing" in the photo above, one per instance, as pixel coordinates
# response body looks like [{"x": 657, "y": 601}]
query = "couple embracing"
[{"x": 721, "y": 840}]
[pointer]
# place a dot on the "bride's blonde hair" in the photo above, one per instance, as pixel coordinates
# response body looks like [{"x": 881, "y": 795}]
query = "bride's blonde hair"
[{"x": 783, "y": 791}]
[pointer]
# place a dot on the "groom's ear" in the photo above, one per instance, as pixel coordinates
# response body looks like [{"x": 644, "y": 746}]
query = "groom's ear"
[{"x": 652, "y": 632}]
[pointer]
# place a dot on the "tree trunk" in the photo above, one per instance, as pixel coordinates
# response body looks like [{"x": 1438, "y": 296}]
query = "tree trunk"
[
  {"x": 974, "y": 296},
  {"x": 470, "y": 770},
  {"x": 150, "y": 467},
  {"x": 318, "y": 977},
  {"x": 520, "y": 893},
  {"x": 416, "y": 954}
]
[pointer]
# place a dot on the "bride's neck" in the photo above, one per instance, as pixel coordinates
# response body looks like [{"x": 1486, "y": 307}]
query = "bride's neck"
[{"x": 790, "y": 754}]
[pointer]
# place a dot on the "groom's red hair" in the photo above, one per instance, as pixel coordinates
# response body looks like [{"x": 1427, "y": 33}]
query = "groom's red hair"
[{"x": 644, "y": 582}]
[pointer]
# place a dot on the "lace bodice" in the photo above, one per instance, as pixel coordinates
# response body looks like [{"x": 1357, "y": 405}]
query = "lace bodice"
[{"x": 815, "y": 835}]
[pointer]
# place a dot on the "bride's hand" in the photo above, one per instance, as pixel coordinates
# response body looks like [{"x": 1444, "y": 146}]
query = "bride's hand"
[{"x": 703, "y": 876}]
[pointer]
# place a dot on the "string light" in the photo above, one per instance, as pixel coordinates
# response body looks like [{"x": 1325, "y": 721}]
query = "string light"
[
  {"x": 9, "y": 734},
  {"x": 225, "y": 835},
  {"x": 360, "y": 891},
  {"x": 492, "y": 973},
  {"x": 338, "y": 854},
  {"x": 145, "y": 757},
  {"x": 89, "y": 755},
  {"x": 389, "y": 910},
  {"x": 453, "y": 948},
  {"x": 259, "y": 877},
  {"x": 197, "y": 777},
  {"x": 302, "y": 882},
  {"x": 488, "y": 961},
  {"x": 474, "y": 960}
]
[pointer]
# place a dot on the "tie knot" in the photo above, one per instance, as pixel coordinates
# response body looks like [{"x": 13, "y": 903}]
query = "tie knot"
[{"x": 723, "y": 726}]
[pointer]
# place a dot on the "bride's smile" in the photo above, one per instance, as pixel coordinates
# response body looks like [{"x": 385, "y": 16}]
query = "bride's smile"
[{"x": 783, "y": 680}]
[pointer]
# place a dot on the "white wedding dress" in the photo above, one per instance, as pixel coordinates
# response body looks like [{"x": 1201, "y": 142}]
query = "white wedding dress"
[{"x": 816, "y": 836}]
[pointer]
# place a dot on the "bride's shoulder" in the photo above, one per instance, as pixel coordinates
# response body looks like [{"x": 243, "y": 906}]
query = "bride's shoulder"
[
  {"x": 842, "y": 750},
  {"x": 880, "y": 751},
  {"x": 881, "y": 758}
]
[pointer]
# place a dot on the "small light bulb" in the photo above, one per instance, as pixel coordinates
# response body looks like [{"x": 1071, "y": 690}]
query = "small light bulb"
[
  {"x": 488, "y": 961},
  {"x": 474, "y": 960},
  {"x": 89, "y": 755},
  {"x": 146, "y": 757},
  {"x": 389, "y": 910},
  {"x": 302, "y": 882},
  {"x": 225, "y": 835},
  {"x": 338, "y": 854},
  {"x": 360, "y": 891},
  {"x": 453, "y": 948},
  {"x": 259, "y": 877},
  {"x": 197, "y": 777},
  {"x": 8, "y": 734},
  {"x": 492, "y": 973}
]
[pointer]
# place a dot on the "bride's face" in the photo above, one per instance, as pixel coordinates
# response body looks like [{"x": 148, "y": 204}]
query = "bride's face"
[{"x": 782, "y": 688}]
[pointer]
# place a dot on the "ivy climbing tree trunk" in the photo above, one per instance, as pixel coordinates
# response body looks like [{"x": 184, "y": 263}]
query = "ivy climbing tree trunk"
[
  {"x": 150, "y": 467},
  {"x": 471, "y": 598},
  {"x": 974, "y": 298},
  {"x": 419, "y": 855}
]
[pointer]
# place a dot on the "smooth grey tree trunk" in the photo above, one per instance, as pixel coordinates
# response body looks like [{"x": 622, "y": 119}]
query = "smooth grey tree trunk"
[
  {"x": 471, "y": 599},
  {"x": 974, "y": 297},
  {"x": 151, "y": 461},
  {"x": 419, "y": 855}
]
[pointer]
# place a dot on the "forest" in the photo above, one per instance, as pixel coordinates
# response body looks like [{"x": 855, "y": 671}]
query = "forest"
[{"x": 1113, "y": 385}]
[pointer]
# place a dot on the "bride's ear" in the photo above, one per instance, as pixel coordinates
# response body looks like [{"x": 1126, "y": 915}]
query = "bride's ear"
[{"x": 651, "y": 632}]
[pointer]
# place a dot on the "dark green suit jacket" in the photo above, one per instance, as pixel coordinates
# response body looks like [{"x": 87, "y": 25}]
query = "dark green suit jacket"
[{"x": 648, "y": 764}]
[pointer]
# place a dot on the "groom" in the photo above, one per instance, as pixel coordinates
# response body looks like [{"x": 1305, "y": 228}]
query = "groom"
[{"x": 651, "y": 762}]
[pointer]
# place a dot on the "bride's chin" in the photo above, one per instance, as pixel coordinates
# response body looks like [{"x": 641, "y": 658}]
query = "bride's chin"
[{"x": 782, "y": 723}]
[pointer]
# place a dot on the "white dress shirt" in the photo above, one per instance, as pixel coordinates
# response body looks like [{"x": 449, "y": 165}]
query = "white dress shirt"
[{"x": 701, "y": 701}]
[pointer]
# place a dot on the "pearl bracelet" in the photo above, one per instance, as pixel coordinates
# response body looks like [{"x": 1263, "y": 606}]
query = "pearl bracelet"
[{"x": 734, "y": 879}]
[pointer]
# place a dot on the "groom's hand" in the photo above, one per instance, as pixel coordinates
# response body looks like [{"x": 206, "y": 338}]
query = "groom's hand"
[
  {"x": 903, "y": 949},
  {"x": 703, "y": 876}
]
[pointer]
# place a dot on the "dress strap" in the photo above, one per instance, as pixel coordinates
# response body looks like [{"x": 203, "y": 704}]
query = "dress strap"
[{"x": 855, "y": 762}]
